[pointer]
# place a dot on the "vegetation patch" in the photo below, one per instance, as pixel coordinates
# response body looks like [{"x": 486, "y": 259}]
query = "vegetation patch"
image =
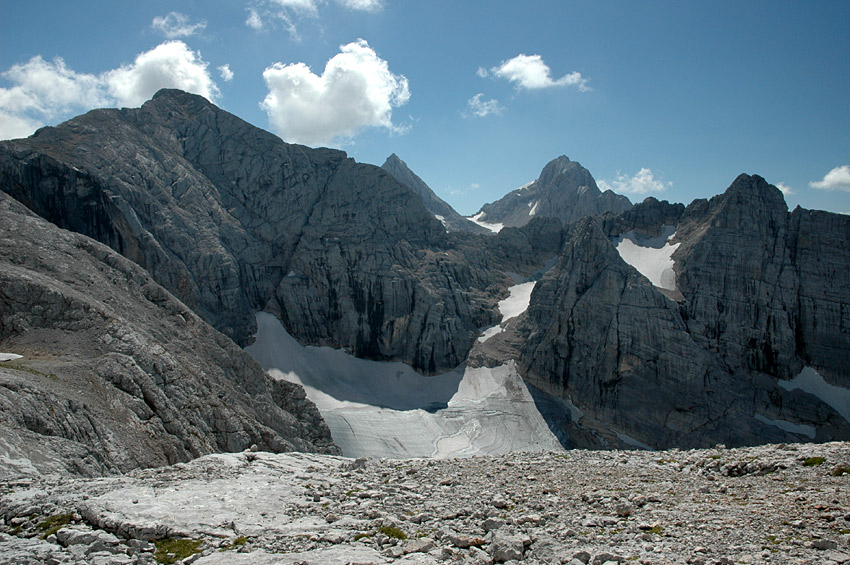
[
  {"x": 813, "y": 461},
  {"x": 841, "y": 470},
  {"x": 392, "y": 532},
  {"x": 53, "y": 524},
  {"x": 170, "y": 551},
  {"x": 236, "y": 543}
]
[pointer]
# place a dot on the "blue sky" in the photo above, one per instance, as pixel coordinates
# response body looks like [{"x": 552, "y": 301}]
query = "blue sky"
[{"x": 670, "y": 99}]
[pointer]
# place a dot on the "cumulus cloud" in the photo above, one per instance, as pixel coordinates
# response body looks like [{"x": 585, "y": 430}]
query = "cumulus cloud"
[
  {"x": 46, "y": 90},
  {"x": 225, "y": 72},
  {"x": 49, "y": 89},
  {"x": 13, "y": 127},
  {"x": 356, "y": 90},
  {"x": 644, "y": 182},
  {"x": 478, "y": 107},
  {"x": 168, "y": 65},
  {"x": 785, "y": 189},
  {"x": 176, "y": 25},
  {"x": 836, "y": 179},
  {"x": 529, "y": 72}
]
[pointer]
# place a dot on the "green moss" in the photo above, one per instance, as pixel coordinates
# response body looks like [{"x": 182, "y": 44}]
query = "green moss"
[
  {"x": 657, "y": 530},
  {"x": 360, "y": 536},
  {"x": 238, "y": 542},
  {"x": 814, "y": 461},
  {"x": 53, "y": 524},
  {"x": 392, "y": 532},
  {"x": 171, "y": 551}
]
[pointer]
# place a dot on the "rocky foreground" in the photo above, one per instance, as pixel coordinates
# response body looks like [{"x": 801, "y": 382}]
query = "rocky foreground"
[{"x": 770, "y": 504}]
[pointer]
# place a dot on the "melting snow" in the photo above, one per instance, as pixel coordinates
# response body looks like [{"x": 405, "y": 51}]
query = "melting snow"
[
  {"x": 511, "y": 307},
  {"x": 379, "y": 409},
  {"x": 9, "y": 356},
  {"x": 651, "y": 256},
  {"x": 441, "y": 218},
  {"x": 791, "y": 427},
  {"x": 810, "y": 381},
  {"x": 533, "y": 208},
  {"x": 476, "y": 219}
]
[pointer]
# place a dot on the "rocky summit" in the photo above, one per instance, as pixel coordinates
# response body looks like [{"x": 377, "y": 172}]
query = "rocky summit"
[
  {"x": 768, "y": 504},
  {"x": 564, "y": 190}
]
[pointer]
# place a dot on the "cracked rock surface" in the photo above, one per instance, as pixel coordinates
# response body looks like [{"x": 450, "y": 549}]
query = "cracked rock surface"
[{"x": 768, "y": 504}]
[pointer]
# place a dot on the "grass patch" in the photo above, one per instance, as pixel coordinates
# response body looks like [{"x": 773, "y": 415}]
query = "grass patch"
[
  {"x": 170, "y": 551},
  {"x": 236, "y": 543},
  {"x": 841, "y": 470},
  {"x": 392, "y": 532},
  {"x": 813, "y": 461},
  {"x": 657, "y": 530},
  {"x": 53, "y": 524},
  {"x": 360, "y": 536}
]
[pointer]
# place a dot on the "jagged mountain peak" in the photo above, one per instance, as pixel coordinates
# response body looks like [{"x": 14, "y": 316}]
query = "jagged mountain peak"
[
  {"x": 436, "y": 205},
  {"x": 564, "y": 190}
]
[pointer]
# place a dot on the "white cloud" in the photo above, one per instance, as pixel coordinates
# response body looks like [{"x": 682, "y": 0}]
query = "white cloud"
[
  {"x": 531, "y": 73},
  {"x": 356, "y": 90},
  {"x": 364, "y": 5},
  {"x": 785, "y": 189},
  {"x": 44, "y": 91},
  {"x": 225, "y": 72},
  {"x": 836, "y": 179},
  {"x": 176, "y": 25},
  {"x": 254, "y": 20},
  {"x": 475, "y": 106},
  {"x": 168, "y": 65},
  {"x": 642, "y": 183},
  {"x": 49, "y": 89},
  {"x": 13, "y": 127},
  {"x": 309, "y": 7}
]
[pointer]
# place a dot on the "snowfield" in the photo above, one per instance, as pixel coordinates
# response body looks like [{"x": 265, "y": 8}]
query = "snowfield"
[
  {"x": 651, "y": 256},
  {"x": 511, "y": 307},
  {"x": 810, "y": 381},
  {"x": 476, "y": 219},
  {"x": 380, "y": 409}
]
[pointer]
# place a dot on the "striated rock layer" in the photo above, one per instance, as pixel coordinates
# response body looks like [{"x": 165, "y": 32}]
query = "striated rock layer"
[
  {"x": 758, "y": 295},
  {"x": 115, "y": 373},
  {"x": 232, "y": 220}
]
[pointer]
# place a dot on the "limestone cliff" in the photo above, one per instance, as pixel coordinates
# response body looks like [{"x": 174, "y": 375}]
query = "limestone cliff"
[
  {"x": 233, "y": 220},
  {"x": 115, "y": 372},
  {"x": 758, "y": 296}
]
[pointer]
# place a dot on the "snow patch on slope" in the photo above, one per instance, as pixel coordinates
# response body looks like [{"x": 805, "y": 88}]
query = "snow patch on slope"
[
  {"x": 810, "y": 381},
  {"x": 511, "y": 307},
  {"x": 476, "y": 219},
  {"x": 791, "y": 427},
  {"x": 9, "y": 356},
  {"x": 533, "y": 210},
  {"x": 651, "y": 256},
  {"x": 379, "y": 409}
]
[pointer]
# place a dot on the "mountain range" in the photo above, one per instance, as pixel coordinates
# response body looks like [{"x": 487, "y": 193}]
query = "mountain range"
[{"x": 140, "y": 244}]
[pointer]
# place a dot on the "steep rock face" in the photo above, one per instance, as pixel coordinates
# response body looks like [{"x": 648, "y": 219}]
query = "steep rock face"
[
  {"x": 751, "y": 310},
  {"x": 436, "y": 205},
  {"x": 116, "y": 373},
  {"x": 564, "y": 190},
  {"x": 232, "y": 220}
]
